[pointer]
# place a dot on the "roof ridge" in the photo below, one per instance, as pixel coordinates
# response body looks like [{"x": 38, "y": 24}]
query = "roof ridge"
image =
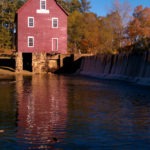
[
  {"x": 23, "y": 5},
  {"x": 31, "y": 0},
  {"x": 61, "y": 7}
]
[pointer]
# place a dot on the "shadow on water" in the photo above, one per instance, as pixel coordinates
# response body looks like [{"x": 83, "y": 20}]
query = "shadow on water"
[
  {"x": 72, "y": 112},
  {"x": 70, "y": 65}
]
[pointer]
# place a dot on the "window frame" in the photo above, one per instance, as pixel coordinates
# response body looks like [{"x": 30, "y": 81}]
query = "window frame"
[
  {"x": 43, "y": 10},
  {"x": 30, "y": 37},
  {"x": 29, "y": 22},
  {"x": 41, "y": 5},
  {"x": 54, "y": 19},
  {"x": 53, "y": 44}
]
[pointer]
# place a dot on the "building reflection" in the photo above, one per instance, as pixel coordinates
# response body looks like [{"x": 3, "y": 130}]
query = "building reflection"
[{"x": 42, "y": 110}]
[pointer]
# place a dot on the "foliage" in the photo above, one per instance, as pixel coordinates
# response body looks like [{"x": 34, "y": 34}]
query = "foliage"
[
  {"x": 75, "y": 5},
  {"x": 90, "y": 38},
  {"x": 111, "y": 32},
  {"x": 114, "y": 33},
  {"x": 7, "y": 15},
  {"x": 139, "y": 27},
  {"x": 87, "y": 32},
  {"x": 75, "y": 31},
  {"x": 85, "y": 6},
  {"x": 123, "y": 9},
  {"x": 91, "y": 34}
]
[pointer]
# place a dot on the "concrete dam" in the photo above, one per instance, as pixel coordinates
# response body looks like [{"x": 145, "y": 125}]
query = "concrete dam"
[{"x": 130, "y": 67}]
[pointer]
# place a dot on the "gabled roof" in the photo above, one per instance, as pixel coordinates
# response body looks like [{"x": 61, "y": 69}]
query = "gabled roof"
[
  {"x": 23, "y": 5},
  {"x": 28, "y": 1},
  {"x": 62, "y": 8}
]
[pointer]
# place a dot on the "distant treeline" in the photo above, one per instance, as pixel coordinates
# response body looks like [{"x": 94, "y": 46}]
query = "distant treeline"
[{"x": 88, "y": 33}]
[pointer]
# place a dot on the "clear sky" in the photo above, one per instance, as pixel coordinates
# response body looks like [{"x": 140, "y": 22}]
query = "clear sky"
[{"x": 102, "y": 7}]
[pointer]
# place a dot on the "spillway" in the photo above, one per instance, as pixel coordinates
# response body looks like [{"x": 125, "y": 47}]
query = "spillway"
[{"x": 130, "y": 67}]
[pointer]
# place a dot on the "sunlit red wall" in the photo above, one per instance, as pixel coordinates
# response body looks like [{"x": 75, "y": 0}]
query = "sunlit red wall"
[{"x": 42, "y": 31}]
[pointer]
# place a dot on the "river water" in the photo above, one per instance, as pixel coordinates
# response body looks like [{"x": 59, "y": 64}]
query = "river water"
[{"x": 73, "y": 113}]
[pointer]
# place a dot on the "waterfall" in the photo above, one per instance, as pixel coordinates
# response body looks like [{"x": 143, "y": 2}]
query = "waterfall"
[{"x": 130, "y": 67}]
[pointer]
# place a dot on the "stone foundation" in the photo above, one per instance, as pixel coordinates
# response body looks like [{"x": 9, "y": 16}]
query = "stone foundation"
[
  {"x": 43, "y": 62},
  {"x": 39, "y": 63},
  {"x": 53, "y": 62},
  {"x": 19, "y": 62}
]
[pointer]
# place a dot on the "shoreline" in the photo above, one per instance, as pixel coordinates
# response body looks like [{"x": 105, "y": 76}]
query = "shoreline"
[
  {"x": 10, "y": 72},
  {"x": 6, "y": 72}
]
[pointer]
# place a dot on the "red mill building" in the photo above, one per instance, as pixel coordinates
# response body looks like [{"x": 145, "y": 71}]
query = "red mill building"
[{"x": 41, "y": 30}]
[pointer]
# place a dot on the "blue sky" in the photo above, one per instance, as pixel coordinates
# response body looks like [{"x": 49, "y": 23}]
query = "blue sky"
[{"x": 102, "y": 7}]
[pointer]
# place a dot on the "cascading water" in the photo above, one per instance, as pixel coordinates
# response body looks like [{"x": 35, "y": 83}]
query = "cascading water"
[{"x": 130, "y": 67}]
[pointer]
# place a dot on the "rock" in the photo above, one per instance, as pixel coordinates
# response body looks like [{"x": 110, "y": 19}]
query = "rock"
[{"x": 2, "y": 131}]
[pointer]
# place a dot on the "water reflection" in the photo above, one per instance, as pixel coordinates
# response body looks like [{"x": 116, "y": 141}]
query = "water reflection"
[
  {"x": 81, "y": 113},
  {"x": 107, "y": 117},
  {"x": 42, "y": 109},
  {"x": 8, "y": 113}
]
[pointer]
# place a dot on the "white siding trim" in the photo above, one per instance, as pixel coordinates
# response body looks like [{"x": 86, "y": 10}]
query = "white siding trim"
[{"x": 42, "y": 11}]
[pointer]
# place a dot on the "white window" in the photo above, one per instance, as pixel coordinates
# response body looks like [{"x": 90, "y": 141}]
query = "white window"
[
  {"x": 43, "y": 4},
  {"x": 55, "y": 44},
  {"x": 42, "y": 9},
  {"x": 30, "y": 41},
  {"x": 31, "y": 22},
  {"x": 54, "y": 22}
]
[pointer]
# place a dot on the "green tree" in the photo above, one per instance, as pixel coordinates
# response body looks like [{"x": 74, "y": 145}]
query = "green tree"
[
  {"x": 85, "y": 6},
  {"x": 75, "y": 31},
  {"x": 7, "y": 16},
  {"x": 74, "y": 5},
  {"x": 64, "y": 4}
]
